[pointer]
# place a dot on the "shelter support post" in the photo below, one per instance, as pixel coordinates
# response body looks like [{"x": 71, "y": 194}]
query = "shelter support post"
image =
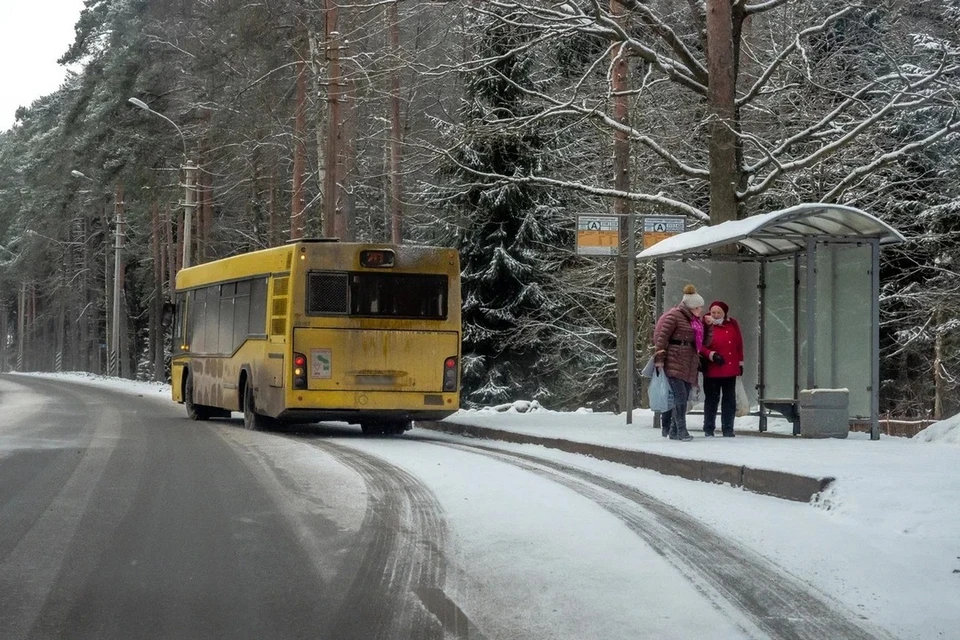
[
  {"x": 657, "y": 312},
  {"x": 811, "y": 313},
  {"x": 631, "y": 314},
  {"x": 761, "y": 347},
  {"x": 875, "y": 339}
]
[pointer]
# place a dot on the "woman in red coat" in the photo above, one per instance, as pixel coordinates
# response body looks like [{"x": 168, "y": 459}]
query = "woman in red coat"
[{"x": 724, "y": 362}]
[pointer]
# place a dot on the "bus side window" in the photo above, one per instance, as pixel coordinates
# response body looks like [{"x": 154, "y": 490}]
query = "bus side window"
[
  {"x": 195, "y": 327},
  {"x": 180, "y": 311},
  {"x": 241, "y": 314},
  {"x": 258, "y": 307}
]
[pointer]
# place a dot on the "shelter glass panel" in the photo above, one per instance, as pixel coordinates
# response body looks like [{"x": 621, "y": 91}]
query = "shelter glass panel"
[
  {"x": 779, "y": 358},
  {"x": 844, "y": 322}
]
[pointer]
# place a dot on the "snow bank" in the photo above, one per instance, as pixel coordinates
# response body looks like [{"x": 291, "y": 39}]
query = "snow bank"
[{"x": 945, "y": 432}]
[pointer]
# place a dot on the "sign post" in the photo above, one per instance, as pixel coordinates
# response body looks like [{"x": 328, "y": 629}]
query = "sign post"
[{"x": 599, "y": 235}]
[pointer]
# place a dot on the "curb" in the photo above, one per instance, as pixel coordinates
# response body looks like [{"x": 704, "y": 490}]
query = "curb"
[{"x": 779, "y": 484}]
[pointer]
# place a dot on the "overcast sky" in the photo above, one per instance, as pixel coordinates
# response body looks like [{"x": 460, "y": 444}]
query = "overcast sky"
[{"x": 33, "y": 34}]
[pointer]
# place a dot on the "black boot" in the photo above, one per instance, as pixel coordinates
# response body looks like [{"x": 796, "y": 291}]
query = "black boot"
[
  {"x": 683, "y": 435},
  {"x": 665, "y": 423},
  {"x": 672, "y": 433}
]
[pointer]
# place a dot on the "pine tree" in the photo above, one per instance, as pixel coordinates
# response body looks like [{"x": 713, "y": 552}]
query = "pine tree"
[{"x": 510, "y": 232}]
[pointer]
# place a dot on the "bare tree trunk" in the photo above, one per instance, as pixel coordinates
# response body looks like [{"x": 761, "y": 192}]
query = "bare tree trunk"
[
  {"x": 172, "y": 252},
  {"x": 156, "y": 309},
  {"x": 21, "y": 327},
  {"x": 297, "y": 214},
  {"x": 87, "y": 314},
  {"x": 332, "y": 150},
  {"x": 396, "y": 176},
  {"x": 724, "y": 171},
  {"x": 320, "y": 108},
  {"x": 4, "y": 332},
  {"x": 273, "y": 232},
  {"x": 939, "y": 380}
]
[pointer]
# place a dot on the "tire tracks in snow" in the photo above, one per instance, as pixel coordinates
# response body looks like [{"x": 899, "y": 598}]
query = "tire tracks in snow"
[
  {"x": 779, "y": 605},
  {"x": 394, "y": 575}
]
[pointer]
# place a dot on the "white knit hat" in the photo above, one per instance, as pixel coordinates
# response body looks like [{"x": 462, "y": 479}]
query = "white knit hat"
[{"x": 691, "y": 299}]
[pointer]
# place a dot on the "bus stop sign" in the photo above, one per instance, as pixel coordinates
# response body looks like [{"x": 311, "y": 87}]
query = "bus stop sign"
[
  {"x": 598, "y": 235},
  {"x": 657, "y": 228}
]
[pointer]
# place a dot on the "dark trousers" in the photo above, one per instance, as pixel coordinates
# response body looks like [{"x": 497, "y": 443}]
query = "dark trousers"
[
  {"x": 713, "y": 389},
  {"x": 676, "y": 418}
]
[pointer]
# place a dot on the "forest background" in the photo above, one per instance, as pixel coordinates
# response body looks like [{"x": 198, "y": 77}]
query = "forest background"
[{"x": 487, "y": 126}]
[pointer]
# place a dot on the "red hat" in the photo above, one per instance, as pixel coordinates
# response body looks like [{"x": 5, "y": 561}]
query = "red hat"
[{"x": 720, "y": 303}]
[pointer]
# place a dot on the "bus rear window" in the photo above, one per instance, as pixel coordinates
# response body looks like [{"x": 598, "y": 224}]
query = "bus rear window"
[{"x": 388, "y": 295}]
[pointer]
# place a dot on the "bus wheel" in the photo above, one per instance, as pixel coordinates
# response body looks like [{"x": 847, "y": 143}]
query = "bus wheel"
[
  {"x": 385, "y": 428},
  {"x": 194, "y": 411},
  {"x": 372, "y": 428},
  {"x": 398, "y": 427},
  {"x": 251, "y": 419}
]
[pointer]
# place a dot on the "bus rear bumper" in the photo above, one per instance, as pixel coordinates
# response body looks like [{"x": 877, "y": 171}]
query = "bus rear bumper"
[{"x": 357, "y": 416}]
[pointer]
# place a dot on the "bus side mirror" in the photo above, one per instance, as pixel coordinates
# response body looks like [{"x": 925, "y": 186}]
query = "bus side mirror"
[{"x": 166, "y": 316}]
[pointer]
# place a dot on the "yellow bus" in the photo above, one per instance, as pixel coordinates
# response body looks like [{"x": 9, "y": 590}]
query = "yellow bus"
[{"x": 320, "y": 330}]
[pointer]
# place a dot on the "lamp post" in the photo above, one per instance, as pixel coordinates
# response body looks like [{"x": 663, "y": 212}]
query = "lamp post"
[{"x": 189, "y": 183}]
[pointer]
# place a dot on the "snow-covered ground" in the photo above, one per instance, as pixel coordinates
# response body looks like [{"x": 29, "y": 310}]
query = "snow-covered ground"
[{"x": 883, "y": 540}]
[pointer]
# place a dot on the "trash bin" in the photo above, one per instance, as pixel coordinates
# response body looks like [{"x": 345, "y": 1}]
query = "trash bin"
[{"x": 824, "y": 413}]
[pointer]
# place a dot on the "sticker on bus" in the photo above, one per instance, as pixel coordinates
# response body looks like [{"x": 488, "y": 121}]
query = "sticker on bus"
[{"x": 321, "y": 363}]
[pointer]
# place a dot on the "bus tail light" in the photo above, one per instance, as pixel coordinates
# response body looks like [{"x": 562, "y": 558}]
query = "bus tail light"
[
  {"x": 299, "y": 371},
  {"x": 450, "y": 374}
]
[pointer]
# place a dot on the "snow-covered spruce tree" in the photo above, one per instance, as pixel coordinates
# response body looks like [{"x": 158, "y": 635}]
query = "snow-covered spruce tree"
[{"x": 508, "y": 233}]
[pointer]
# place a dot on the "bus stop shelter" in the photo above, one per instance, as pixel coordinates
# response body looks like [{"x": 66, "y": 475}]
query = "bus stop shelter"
[{"x": 804, "y": 285}]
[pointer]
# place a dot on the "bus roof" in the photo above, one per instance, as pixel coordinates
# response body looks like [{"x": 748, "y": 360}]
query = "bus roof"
[{"x": 277, "y": 260}]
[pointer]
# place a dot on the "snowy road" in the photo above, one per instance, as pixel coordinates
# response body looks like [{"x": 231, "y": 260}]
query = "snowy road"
[{"x": 123, "y": 519}]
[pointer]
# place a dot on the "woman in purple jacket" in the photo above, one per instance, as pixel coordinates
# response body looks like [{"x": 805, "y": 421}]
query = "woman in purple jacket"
[{"x": 678, "y": 338}]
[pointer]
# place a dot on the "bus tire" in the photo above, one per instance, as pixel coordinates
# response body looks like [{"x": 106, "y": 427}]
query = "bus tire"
[
  {"x": 397, "y": 428},
  {"x": 392, "y": 428},
  {"x": 251, "y": 419},
  {"x": 194, "y": 411}
]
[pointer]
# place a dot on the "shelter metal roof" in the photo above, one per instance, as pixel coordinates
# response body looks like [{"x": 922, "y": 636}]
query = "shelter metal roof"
[{"x": 779, "y": 232}]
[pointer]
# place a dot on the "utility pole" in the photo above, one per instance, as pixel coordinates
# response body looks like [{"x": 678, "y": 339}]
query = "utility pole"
[
  {"x": 117, "y": 285},
  {"x": 625, "y": 279},
  {"x": 190, "y": 183},
  {"x": 297, "y": 212},
  {"x": 189, "y": 204},
  {"x": 396, "y": 186}
]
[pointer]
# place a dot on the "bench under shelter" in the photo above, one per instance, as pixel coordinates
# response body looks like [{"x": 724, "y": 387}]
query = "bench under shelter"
[{"x": 804, "y": 285}]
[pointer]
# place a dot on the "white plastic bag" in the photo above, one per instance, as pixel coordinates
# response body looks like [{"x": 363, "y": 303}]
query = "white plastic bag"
[
  {"x": 661, "y": 397},
  {"x": 743, "y": 402},
  {"x": 648, "y": 369},
  {"x": 696, "y": 396}
]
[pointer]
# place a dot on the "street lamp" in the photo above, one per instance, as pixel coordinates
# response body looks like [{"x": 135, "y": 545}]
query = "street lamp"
[{"x": 189, "y": 183}]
